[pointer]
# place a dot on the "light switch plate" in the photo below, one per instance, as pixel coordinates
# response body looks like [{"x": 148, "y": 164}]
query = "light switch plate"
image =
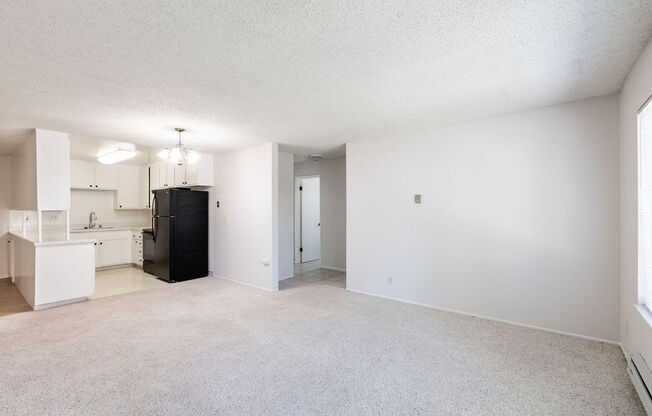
[{"x": 417, "y": 198}]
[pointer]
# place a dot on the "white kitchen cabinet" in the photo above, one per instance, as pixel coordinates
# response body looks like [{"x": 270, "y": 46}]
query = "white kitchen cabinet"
[
  {"x": 145, "y": 196},
  {"x": 196, "y": 174},
  {"x": 154, "y": 177},
  {"x": 179, "y": 175},
  {"x": 114, "y": 251},
  {"x": 137, "y": 248},
  {"x": 203, "y": 175},
  {"x": 112, "y": 248},
  {"x": 107, "y": 177},
  {"x": 169, "y": 174},
  {"x": 191, "y": 174},
  {"x": 82, "y": 175},
  {"x": 128, "y": 195},
  {"x": 85, "y": 175},
  {"x": 162, "y": 175}
]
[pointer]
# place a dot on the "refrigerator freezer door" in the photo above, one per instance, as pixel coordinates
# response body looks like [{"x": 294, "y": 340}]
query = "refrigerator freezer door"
[{"x": 163, "y": 203}]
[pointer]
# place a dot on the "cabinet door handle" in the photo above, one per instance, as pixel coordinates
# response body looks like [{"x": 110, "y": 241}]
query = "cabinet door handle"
[
  {"x": 100, "y": 243},
  {"x": 95, "y": 243},
  {"x": 90, "y": 186},
  {"x": 96, "y": 186}
]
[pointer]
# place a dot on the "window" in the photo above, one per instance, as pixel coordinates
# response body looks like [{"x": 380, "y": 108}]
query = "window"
[{"x": 645, "y": 205}]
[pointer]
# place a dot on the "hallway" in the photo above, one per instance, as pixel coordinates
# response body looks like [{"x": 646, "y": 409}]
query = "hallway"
[{"x": 311, "y": 273}]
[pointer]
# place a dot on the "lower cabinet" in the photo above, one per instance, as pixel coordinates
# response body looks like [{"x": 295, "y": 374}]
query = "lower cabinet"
[
  {"x": 112, "y": 248},
  {"x": 137, "y": 248}
]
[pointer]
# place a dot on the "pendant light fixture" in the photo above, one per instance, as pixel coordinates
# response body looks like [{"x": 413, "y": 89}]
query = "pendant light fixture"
[{"x": 179, "y": 154}]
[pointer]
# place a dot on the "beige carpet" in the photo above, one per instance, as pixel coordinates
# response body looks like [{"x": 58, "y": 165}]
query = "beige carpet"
[{"x": 210, "y": 346}]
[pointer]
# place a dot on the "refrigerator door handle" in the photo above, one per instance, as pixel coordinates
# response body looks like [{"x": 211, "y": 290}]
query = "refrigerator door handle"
[{"x": 154, "y": 207}]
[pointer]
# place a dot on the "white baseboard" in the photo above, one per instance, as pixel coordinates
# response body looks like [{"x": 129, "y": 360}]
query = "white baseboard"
[
  {"x": 339, "y": 269},
  {"x": 245, "y": 283},
  {"x": 60, "y": 303},
  {"x": 489, "y": 318},
  {"x": 622, "y": 348},
  {"x": 286, "y": 277}
]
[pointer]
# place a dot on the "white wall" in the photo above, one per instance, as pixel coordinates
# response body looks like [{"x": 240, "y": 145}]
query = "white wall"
[
  {"x": 244, "y": 225},
  {"x": 332, "y": 173},
  {"x": 518, "y": 221},
  {"x": 23, "y": 175},
  {"x": 636, "y": 333},
  {"x": 84, "y": 202},
  {"x": 285, "y": 215},
  {"x": 5, "y": 206},
  {"x": 53, "y": 170}
]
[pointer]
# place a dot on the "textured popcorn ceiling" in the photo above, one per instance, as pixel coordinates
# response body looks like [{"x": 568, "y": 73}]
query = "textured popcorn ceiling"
[{"x": 308, "y": 74}]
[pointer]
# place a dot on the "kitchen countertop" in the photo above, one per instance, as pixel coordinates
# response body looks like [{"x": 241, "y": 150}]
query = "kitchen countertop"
[
  {"x": 51, "y": 243},
  {"x": 137, "y": 228}
]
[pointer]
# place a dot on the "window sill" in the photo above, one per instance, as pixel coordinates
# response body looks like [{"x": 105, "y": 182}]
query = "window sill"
[{"x": 645, "y": 313}]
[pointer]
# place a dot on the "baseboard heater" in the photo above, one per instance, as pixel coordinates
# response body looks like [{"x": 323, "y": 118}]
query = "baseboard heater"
[{"x": 642, "y": 379}]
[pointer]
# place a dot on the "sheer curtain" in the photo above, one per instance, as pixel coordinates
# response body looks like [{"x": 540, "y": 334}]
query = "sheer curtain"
[{"x": 645, "y": 206}]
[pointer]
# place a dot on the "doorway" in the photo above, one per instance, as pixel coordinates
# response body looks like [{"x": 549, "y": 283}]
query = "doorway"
[{"x": 308, "y": 219}]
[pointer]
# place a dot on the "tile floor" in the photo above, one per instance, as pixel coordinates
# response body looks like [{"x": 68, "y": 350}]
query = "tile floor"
[
  {"x": 123, "y": 280},
  {"x": 311, "y": 273}
]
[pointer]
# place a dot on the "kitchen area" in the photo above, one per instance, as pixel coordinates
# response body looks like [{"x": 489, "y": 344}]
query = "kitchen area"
[
  {"x": 113, "y": 196},
  {"x": 83, "y": 218}
]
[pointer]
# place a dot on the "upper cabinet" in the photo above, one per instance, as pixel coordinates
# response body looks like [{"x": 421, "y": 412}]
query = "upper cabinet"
[
  {"x": 163, "y": 175},
  {"x": 167, "y": 175},
  {"x": 107, "y": 177},
  {"x": 145, "y": 196},
  {"x": 84, "y": 175},
  {"x": 197, "y": 174},
  {"x": 128, "y": 196},
  {"x": 134, "y": 184}
]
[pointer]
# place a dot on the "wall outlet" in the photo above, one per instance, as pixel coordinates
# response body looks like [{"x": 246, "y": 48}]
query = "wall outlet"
[{"x": 389, "y": 280}]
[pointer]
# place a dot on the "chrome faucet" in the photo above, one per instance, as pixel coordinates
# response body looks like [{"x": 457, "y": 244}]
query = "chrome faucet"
[{"x": 91, "y": 220}]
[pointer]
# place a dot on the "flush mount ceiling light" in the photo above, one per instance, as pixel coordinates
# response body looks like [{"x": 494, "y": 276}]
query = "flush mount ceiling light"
[
  {"x": 116, "y": 156},
  {"x": 316, "y": 157},
  {"x": 179, "y": 154}
]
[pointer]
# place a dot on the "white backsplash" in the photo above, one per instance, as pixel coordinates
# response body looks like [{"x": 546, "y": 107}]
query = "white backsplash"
[{"x": 83, "y": 202}]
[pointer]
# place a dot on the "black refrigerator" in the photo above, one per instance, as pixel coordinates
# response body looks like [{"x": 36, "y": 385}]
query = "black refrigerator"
[{"x": 176, "y": 247}]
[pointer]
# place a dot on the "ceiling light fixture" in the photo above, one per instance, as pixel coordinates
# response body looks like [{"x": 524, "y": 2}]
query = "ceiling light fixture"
[
  {"x": 179, "y": 154},
  {"x": 116, "y": 156}
]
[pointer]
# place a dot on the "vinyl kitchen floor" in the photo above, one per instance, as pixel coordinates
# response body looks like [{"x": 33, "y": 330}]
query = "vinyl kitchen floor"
[
  {"x": 11, "y": 301},
  {"x": 124, "y": 280}
]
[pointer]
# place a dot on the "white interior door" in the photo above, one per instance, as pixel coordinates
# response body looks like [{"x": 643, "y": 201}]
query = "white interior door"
[{"x": 310, "y": 220}]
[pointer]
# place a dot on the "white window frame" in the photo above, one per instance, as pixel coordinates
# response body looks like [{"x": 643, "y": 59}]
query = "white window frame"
[{"x": 644, "y": 210}]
